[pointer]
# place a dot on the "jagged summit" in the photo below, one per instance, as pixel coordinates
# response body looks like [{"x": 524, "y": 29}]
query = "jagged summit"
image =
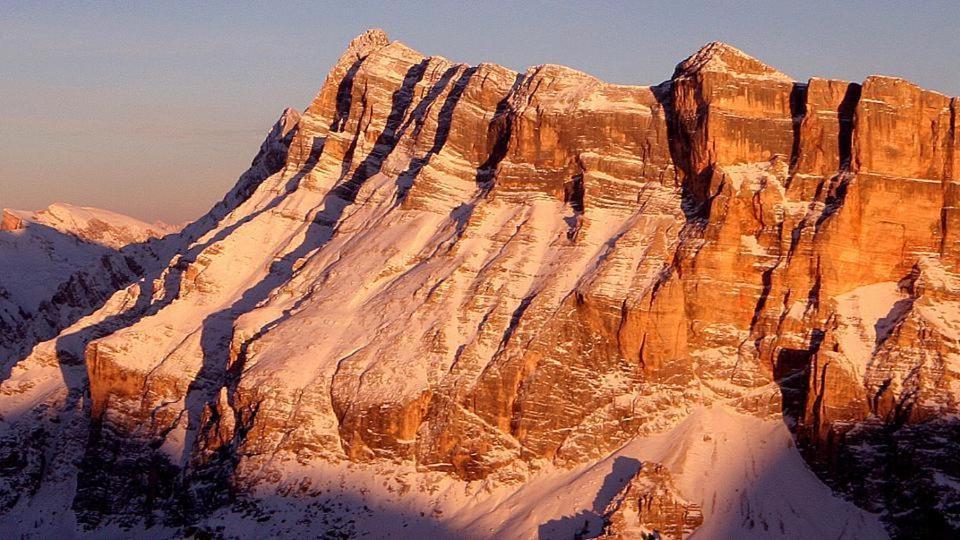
[
  {"x": 723, "y": 57},
  {"x": 367, "y": 42},
  {"x": 715, "y": 56},
  {"x": 372, "y": 36},
  {"x": 288, "y": 120}
]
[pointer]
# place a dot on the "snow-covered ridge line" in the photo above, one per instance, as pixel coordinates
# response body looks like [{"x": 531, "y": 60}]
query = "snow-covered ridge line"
[{"x": 94, "y": 225}]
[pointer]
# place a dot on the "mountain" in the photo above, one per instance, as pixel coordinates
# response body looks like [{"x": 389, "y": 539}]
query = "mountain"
[
  {"x": 91, "y": 225},
  {"x": 42, "y": 249},
  {"x": 469, "y": 302},
  {"x": 61, "y": 259}
]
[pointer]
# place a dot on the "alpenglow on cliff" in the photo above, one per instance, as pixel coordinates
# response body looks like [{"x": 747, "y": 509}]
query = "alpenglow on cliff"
[{"x": 469, "y": 302}]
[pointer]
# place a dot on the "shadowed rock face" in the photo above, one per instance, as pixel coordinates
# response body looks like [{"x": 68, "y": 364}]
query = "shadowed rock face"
[{"x": 479, "y": 271}]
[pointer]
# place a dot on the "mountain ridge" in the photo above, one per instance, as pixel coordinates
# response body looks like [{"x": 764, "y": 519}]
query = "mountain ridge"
[{"x": 464, "y": 278}]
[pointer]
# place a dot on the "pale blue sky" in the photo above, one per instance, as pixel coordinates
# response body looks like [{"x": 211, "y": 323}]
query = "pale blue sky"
[{"x": 154, "y": 109}]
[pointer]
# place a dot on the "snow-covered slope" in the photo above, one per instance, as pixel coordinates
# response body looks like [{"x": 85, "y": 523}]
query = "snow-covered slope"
[
  {"x": 744, "y": 472},
  {"x": 60, "y": 263},
  {"x": 36, "y": 258}
]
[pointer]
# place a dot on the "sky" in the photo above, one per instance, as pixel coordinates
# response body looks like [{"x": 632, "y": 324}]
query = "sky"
[{"x": 154, "y": 109}]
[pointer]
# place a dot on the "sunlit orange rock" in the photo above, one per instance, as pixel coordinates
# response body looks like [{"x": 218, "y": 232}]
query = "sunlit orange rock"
[{"x": 10, "y": 221}]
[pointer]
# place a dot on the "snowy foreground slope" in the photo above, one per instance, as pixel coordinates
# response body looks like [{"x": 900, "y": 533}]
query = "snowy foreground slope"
[
  {"x": 746, "y": 473},
  {"x": 468, "y": 302}
]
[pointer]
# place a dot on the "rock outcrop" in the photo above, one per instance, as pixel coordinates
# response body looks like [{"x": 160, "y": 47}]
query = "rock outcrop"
[
  {"x": 10, "y": 221},
  {"x": 480, "y": 273},
  {"x": 651, "y": 507}
]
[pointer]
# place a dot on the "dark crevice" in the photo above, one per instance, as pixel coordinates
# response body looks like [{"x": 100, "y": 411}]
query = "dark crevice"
[
  {"x": 573, "y": 193},
  {"x": 498, "y": 137},
  {"x": 682, "y": 127},
  {"x": 798, "y": 111},
  {"x": 845, "y": 116},
  {"x": 791, "y": 371},
  {"x": 515, "y": 320},
  {"x": 813, "y": 296},
  {"x": 444, "y": 122},
  {"x": 767, "y": 283},
  {"x": 345, "y": 98}
]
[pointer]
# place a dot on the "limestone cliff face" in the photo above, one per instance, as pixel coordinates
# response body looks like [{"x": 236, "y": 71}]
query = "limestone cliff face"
[{"x": 479, "y": 272}]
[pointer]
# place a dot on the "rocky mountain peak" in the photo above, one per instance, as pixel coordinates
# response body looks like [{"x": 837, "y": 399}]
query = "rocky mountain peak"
[
  {"x": 288, "y": 120},
  {"x": 718, "y": 56},
  {"x": 367, "y": 42},
  {"x": 10, "y": 221}
]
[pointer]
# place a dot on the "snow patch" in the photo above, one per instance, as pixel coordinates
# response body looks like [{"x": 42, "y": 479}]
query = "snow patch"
[{"x": 864, "y": 316}]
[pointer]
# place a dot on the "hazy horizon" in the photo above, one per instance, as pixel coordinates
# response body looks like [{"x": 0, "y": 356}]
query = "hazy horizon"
[{"x": 154, "y": 111}]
